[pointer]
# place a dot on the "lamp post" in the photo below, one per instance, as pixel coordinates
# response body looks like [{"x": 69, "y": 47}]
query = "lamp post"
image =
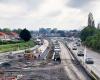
[{"x": 85, "y": 54}]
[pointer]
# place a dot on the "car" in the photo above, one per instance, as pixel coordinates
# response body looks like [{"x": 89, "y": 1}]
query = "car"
[
  {"x": 80, "y": 53},
  {"x": 57, "y": 57},
  {"x": 78, "y": 44},
  {"x": 57, "y": 50},
  {"x": 56, "y": 47},
  {"x": 74, "y": 48},
  {"x": 89, "y": 61}
]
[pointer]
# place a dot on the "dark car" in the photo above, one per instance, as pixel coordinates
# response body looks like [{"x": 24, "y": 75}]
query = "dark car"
[
  {"x": 78, "y": 44},
  {"x": 89, "y": 61},
  {"x": 80, "y": 53}
]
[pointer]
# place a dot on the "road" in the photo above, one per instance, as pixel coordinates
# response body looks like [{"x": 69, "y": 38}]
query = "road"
[
  {"x": 44, "y": 50},
  {"x": 73, "y": 71},
  {"x": 91, "y": 54}
]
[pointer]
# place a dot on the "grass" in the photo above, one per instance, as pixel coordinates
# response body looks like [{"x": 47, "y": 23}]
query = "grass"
[{"x": 16, "y": 46}]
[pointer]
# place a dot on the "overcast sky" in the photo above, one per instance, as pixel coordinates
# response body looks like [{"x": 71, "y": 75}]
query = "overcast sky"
[{"x": 33, "y": 14}]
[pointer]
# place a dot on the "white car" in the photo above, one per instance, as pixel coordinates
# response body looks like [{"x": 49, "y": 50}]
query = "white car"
[
  {"x": 80, "y": 53},
  {"x": 89, "y": 61},
  {"x": 74, "y": 48}
]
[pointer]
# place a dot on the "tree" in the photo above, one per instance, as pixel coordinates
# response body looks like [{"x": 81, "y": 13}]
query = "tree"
[
  {"x": 91, "y": 37},
  {"x": 17, "y": 30},
  {"x": 25, "y": 35},
  {"x": 62, "y": 33},
  {"x": 6, "y": 30},
  {"x": 86, "y": 32},
  {"x": 0, "y": 30},
  {"x": 42, "y": 31}
]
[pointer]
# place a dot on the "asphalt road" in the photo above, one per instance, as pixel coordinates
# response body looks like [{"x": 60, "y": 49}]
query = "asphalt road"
[
  {"x": 90, "y": 54},
  {"x": 73, "y": 71}
]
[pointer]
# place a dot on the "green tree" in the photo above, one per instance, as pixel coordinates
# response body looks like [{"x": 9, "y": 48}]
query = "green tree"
[
  {"x": 91, "y": 37},
  {"x": 86, "y": 32},
  {"x": 62, "y": 33},
  {"x": 17, "y": 30},
  {"x": 0, "y": 30},
  {"x": 25, "y": 35},
  {"x": 7, "y": 30}
]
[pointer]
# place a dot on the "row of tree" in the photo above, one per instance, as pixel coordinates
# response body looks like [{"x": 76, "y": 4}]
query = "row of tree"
[
  {"x": 53, "y": 31},
  {"x": 90, "y": 36},
  {"x": 7, "y": 30}
]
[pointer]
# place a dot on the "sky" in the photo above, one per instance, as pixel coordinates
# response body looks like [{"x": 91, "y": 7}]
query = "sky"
[{"x": 34, "y": 14}]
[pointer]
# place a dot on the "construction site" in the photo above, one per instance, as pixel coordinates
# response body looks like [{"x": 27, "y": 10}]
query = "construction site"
[{"x": 32, "y": 65}]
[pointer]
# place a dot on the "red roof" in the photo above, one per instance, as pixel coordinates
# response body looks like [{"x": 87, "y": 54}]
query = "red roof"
[
  {"x": 8, "y": 78},
  {"x": 14, "y": 33},
  {"x": 2, "y": 33}
]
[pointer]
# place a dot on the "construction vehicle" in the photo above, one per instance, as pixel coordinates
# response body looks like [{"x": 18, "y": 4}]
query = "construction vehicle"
[{"x": 29, "y": 55}]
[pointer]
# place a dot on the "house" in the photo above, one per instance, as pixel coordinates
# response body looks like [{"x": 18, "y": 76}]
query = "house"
[
  {"x": 8, "y": 36},
  {"x": 8, "y": 78},
  {"x": 13, "y": 35},
  {"x": 4, "y": 36}
]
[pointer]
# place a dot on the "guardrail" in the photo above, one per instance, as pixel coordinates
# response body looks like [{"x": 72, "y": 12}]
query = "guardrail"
[
  {"x": 46, "y": 51},
  {"x": 90, "y": 72}
]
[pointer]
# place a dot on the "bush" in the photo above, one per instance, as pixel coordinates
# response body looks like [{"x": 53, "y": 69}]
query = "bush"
[
  {"x": 91, "y": 38},
  {"x": 10, "y": 42}
]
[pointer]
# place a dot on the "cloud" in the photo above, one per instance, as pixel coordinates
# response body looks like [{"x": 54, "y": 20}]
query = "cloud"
[
  {"x": 54, "y": 14},
  {"x": 79, "y": 3},
  {"x": 33, "y": 14},
  {"x": 18, "y": 7}
]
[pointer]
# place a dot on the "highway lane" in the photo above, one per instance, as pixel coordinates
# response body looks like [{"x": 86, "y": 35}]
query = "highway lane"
[
  {"x": 73, "y": 71},
  {"x": 92, "y": 54}
]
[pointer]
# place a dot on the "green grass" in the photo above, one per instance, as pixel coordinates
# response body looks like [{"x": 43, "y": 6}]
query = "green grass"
[{"x": 14, "y": 47}]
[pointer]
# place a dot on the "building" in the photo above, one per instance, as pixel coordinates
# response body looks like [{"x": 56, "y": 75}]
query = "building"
[
  {"x": 13, "y": 35},
  {"x": 3, "y": 36},
  {"x": 35, "y": 34},
  {"x": 8, "y": 36},
  {"x": 8, "y": 78},
  {"x": 98, "y": 27},
  {"x": 91, "y": 22}
]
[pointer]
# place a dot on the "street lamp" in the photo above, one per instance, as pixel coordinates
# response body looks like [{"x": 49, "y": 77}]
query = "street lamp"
[{"x": 85, "y": 54}]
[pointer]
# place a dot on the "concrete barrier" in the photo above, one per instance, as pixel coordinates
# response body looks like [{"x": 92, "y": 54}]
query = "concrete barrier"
[{"x": 91, "y": 73}]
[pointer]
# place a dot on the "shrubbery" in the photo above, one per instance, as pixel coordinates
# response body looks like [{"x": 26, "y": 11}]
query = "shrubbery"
[
  {"x": 10, "y": 42},
  {"x": 90, "y": 36}
]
